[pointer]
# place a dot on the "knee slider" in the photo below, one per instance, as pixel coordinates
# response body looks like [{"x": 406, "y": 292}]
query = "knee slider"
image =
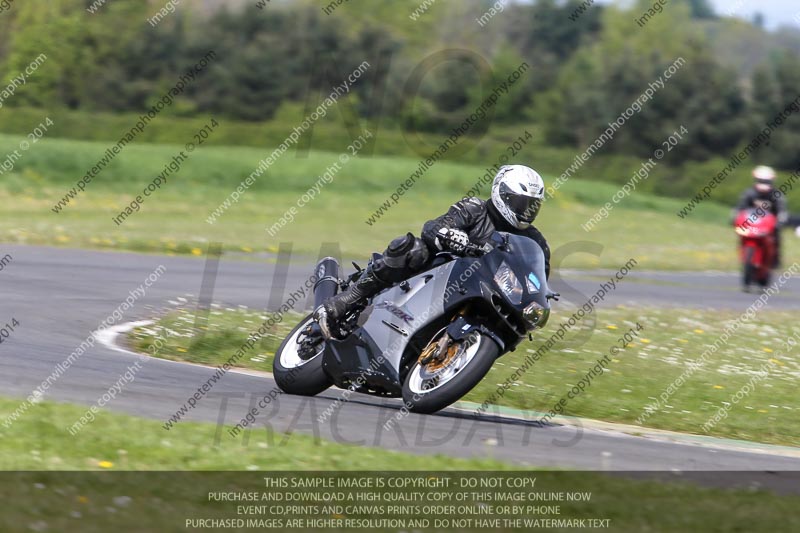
[
  {"x": 406, "y": 252},
  {"x": 399, "y": 248},
  {"x": 418, "y": 255}
]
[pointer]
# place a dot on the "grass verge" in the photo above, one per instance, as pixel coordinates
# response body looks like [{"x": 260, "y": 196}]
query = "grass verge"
[
  {"x": 636, "y": 375},
  {"x": 140, "y": 501},
  {"x": 173, "y": 219},
  {"x": 39, "y": 441}
]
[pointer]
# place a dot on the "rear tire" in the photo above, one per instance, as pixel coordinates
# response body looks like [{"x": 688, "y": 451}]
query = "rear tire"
[
  {"x": 294, "y": 375},
  {"x": 477, "y": 364}
]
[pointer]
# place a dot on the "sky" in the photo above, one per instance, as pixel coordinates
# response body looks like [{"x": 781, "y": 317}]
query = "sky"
[{"x": 776, "y": 12}]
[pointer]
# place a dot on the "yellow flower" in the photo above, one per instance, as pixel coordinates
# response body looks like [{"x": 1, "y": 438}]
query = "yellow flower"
[
  {"x": 247, "y": 249},
  {"x": 645, "y": 341},
  {"x": 699, "y": 331},
  {"x": 197, "y": 251},
  {"x": 682, "y": 340},
  {"x": 767, "y": 350},
  {"x": 105, "y": 464},
  {"x": 83, "y": 499},
  {"x": 181, "y": 349},
  {"x": 612, "y": 327},
  {"x": 763, "y": 411},
  {"x": 718, "y": 387}
]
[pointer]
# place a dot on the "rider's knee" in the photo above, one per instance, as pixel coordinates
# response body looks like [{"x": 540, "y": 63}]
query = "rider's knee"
[{"x": 406, "y": 252}]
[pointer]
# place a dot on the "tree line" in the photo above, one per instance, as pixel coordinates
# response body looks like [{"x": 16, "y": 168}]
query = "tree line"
[{"x": 426, "y": 74}]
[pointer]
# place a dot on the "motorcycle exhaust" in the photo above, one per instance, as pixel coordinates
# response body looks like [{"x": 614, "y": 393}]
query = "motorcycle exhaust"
[{"x": 327, "y": 283}]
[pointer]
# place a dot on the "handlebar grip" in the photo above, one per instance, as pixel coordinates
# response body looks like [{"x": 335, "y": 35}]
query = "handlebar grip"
[{"x": 474, "y": 249}]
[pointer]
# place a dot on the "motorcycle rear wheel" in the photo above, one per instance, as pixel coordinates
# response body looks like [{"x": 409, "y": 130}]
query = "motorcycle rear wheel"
[{"x": 295, "y": 375}]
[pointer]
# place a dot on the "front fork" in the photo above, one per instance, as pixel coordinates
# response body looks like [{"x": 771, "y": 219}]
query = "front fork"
[
  {"x": 460, "y": 329},
  {"x": 438, "y": 350}
]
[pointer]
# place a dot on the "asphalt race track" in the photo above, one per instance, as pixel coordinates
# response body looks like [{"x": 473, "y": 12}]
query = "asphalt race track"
[{"x": 59, "y": 296}]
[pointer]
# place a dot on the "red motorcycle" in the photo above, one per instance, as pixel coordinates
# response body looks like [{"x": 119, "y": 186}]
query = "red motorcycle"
[{"x": 756, "y": 229}]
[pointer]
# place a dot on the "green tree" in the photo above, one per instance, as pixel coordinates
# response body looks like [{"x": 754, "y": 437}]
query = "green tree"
[
  {"x": 701, "y": 9},
  {"x": 776, "y": 85},
  {"x": 605, "y": 79},
  {"x": 58, "y": 30},
  {"x": 546, "y": 37},
  {"x": 83, "y": 52}
]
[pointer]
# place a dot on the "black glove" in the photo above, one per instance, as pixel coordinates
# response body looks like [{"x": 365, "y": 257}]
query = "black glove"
[{"x": 452, "y": 239}]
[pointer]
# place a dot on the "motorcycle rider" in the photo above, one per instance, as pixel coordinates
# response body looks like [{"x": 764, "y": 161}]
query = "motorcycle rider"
[
  {"x": 517, "y": 194},
  {"x": 763, "y": 194}
]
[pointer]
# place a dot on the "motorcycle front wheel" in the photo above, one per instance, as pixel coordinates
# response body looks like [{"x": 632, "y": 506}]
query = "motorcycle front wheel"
[
  {"x": 432, "y": 387},
  {"x": 749, "y": 269}
]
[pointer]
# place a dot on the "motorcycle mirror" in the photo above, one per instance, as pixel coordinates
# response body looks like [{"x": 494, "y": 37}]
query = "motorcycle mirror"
[{"x": 504, "y": 246}]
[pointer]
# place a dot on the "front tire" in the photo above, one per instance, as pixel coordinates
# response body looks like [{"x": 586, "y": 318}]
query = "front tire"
[
  {"x": 426, "y": 393},
  {"x": 295, "y": 375},
  {"x": 749, "y": 272}
]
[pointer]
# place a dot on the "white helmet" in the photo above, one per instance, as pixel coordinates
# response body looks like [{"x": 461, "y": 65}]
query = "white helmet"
[
  {"x": 765, "y": 178},
  {"x": 517, "y": 193}
]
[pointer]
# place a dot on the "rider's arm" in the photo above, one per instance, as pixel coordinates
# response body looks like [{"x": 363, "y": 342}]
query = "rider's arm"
[
  {"x": 461, "y": 216},
  {"x": 745, "y": 202}
]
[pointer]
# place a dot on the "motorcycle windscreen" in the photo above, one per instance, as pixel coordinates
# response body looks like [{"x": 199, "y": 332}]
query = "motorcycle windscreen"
[{"x": 528, "y": 261}]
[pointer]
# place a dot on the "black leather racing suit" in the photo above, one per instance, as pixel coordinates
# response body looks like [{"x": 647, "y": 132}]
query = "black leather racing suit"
[
  {"x": 479, "y": 219},
  {"x": 775, "y": 204},
  {"x": 407, "y": 255}
]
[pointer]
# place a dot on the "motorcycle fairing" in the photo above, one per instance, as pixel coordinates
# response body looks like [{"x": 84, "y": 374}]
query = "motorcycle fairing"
[
  {"x": 387, "y": 325},
  {"x": 397, "y": 314}
]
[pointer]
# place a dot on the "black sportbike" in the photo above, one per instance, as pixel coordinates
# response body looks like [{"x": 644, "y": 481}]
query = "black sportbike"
[{"x": 429, "y": 339}]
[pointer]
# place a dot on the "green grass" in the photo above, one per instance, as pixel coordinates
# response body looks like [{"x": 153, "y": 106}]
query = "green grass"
[
  {"x": 104, "y": 501},
  {"x": 637, "y": 375},
  {"x": 673, "y": 178},
  {"x": 173, "y": 220},
  {"x": 39, "y": 440}
]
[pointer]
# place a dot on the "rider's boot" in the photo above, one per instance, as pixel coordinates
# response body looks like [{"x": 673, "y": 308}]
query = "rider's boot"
[{"x": 333, "y": 309}]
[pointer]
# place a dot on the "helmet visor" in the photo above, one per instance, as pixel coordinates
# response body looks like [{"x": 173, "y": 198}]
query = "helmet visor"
[{"x": 525, "y": 208}]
